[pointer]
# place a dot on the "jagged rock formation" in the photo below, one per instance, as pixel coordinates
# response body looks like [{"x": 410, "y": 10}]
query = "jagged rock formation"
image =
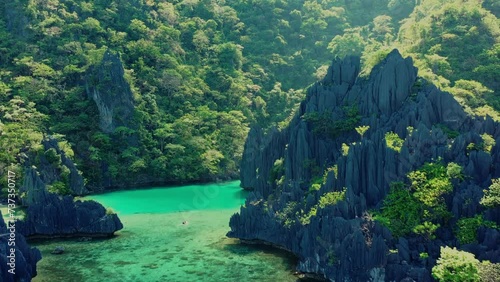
[
  {"x": 341, "y": 242},
  {"x": 49, "y": 214},
  {"x": 15, "y": 19},
  {"x": 110, "y": 91},
  {"x": 52, "y": 215},
  {"x": 106, "y": 85},
  {"x": 253, "y": 145},
  {"x": 51, "y": 171},
  {"x": 25, "y": 256}
]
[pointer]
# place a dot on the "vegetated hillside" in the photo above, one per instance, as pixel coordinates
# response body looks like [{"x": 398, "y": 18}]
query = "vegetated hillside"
[
  {"x": 458, "y": 47},
  {"x": 455, "y": 44},
  {"x": 142, "y": 92},
  {"x": 375, "y": 178}
]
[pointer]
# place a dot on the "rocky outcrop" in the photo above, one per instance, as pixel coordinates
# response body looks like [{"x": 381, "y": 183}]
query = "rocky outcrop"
[
  {"x": 248, "y": 171},
  {"x": 107, "y": 86},
  {"x": 341, "y": 242},
  {"x": 50, "y": 215},
  {"x": 55, "y": 166},
  {"x": 15, "y": 19},
  {"x": 21, "y": 264}
]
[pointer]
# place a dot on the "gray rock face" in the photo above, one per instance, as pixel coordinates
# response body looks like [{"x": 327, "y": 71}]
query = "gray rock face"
[
  {"x": 50, "y": 215},
  {"x": 110, "y": 91},
  {"x": 248, "y": 171},
  {"x": 26, "y": 257},
  {"x": 342, "y": 243},
  {"x": 52, "y": 172},
  {"x": 389, "y": 86},
  {"x": 15, "y": 18}
]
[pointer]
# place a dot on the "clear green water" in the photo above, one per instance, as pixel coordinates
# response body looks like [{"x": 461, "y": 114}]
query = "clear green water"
[{"x": 155, "y": 246}]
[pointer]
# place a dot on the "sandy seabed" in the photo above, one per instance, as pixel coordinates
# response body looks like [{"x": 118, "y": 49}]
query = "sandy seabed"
[{"x": 155, "y": 245}]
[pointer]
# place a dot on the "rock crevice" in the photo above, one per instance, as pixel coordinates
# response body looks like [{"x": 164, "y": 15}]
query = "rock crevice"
[
  {"x": 106, "y": 85},
  {"x": 51, "y": 214},
  {"x": 341, "y": 242}
]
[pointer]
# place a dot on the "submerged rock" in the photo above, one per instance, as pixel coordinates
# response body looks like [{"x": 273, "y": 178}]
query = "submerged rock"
[
  {"x": 59, "y": 250},
  {"x": 341, "y": 242}
]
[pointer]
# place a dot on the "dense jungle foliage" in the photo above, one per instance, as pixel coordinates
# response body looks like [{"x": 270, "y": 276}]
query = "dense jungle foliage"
[{"x": 203, "y": 71}]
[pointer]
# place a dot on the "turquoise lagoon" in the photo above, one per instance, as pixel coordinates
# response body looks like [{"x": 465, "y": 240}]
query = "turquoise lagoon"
[{"x": 155, "y": 245}]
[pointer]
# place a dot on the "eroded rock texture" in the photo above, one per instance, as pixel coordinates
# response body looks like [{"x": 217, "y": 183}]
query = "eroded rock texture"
[
  {"x": 341, "y": 243},
  {"x": 51, "y": 214},
  {"x": 52, "y": 171},
  {"x": 107, "y": 86},
  {"x": 25, "y": 256}
]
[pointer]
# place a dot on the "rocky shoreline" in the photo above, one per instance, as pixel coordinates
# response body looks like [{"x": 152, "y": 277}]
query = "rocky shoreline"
[
  {"x": 342, "y": 242},
  {"x": 54, "y": 215},
  {"x": 49, "y": 215},
  {"x": 23, "y": 265}
]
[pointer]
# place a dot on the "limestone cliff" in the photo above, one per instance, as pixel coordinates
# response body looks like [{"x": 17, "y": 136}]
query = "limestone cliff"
[
  {"x": 107, "y": 86},
  {"x": 55, "y": 166},
  {"x": 51, "y": 215},
  {"x": 341, "y": 242},
  {"x": 48, "y": 175},
  {"x": 25, "y": 256}
]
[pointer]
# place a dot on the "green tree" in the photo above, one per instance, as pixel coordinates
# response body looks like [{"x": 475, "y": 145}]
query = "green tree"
[
  {"x": 351, "y": 43},
  {"x": 400, "y": 212},
  {"x": 467, "y": 228},
  {"x": 491, "y": 198},
  {"x": 454, "y": 265}
]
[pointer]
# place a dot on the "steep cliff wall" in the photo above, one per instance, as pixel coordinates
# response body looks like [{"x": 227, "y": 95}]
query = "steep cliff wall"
[
  {"x": 107, "y": 86},
  {"x": 341, "y": 242},
  {"x": 25, "y": 256},
  {"x": 48, "y": 175},
  {"x": 52, "y": 215},
  {"x": 55, "y": 166}
]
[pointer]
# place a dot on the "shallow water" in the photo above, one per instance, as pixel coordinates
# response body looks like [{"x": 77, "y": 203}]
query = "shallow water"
[{"x": 155, "y": 246}]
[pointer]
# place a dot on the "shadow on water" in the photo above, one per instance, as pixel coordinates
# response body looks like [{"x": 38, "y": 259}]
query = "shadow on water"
[
  {"x": 241, "y": 194},
  {"x": 242, "y": 249},
  {"x": 288, "y": 258}
]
